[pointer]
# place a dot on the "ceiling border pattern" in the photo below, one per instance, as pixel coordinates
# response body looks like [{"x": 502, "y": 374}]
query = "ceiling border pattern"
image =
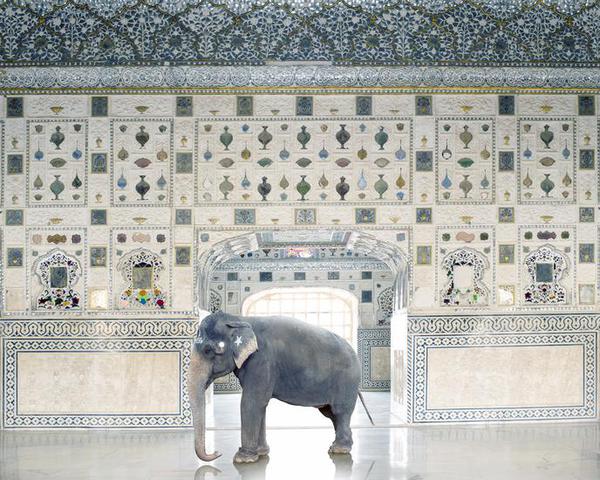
[{"x": 289, "y": 78}]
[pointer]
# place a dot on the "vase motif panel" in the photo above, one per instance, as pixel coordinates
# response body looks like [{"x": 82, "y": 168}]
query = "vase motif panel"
[
  {"x": 547, "y": 160},
  {"x": 372, "y": 154},
  {"x": 465, "y": 155},
  {"x": 141, "y": 162},
  {"x": 57, "y": 162}
]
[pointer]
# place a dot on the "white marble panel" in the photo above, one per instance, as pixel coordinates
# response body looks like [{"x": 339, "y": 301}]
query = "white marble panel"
[
  {"x": 87, "y": 383},
  {"x": 516, "y": 376}
]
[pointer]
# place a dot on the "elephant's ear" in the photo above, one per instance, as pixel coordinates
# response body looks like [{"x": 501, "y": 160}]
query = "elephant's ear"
[{"x": 243, "y": 342}]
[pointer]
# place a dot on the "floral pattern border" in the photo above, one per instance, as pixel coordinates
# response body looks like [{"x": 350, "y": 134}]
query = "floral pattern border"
[{"x": 392, "y": 32}]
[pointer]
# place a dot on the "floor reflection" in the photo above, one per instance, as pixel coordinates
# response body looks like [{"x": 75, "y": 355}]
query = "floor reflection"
[
  {"x": 515, "y": 451},
  {"x": 223, "y": 413}
]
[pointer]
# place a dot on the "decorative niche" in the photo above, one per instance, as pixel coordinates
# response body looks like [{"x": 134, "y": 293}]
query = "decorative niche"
[
  {"x": 141, "y": 271},
  {"x": 215, "y": 302},
  {"x": 465, "y": 269},
  {"x": 58, "y": 273},
  {"x": 546, "y": 267},
  {"x": 385, "y": 303}
]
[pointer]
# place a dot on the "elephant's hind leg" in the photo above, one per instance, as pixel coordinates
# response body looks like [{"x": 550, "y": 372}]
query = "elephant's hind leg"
[{"x": 343, "y": 434}]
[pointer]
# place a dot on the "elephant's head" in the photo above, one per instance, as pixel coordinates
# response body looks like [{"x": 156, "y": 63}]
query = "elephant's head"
[{"x": 222, "y": 344}]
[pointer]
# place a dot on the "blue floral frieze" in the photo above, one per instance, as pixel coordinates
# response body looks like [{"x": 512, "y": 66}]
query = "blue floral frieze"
[{"x": 401, "y": 32}]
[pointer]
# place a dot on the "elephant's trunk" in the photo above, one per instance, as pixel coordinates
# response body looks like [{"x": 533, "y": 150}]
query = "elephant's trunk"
[{"x": 197, "y": 382}]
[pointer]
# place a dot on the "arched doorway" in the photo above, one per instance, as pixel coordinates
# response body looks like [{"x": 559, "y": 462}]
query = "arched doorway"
[
  {"x": 354, "y": 241},
  {"x": 304, "y": 243}
]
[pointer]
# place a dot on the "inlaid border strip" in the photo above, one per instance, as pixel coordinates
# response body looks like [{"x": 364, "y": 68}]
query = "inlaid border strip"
[
  {"x": 367, "y": 339},
  {"x": 290, "y": 78}
]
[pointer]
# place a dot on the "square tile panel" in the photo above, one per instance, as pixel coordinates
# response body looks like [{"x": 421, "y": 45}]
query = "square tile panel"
[
  {"x": 98, "y": 256},
  {"x": 14, "y": 217},
  {"x": 14, "y": 257},
  {"x": 184, "y": 106},
  {"x": 14, "y": 107},
  {"x": 304, "y": 106},
  {"x": 244, "y": 106},
  {"x": 586, "y": 214},
  {"x": 586, "y": 105},
  {"x": 364, "y": 105},
  {"x": 183, "y": 256},
  {"x": 506, "y": 104},
  {"x": 99, "y": 163},
  {"x": 423, "y": 215},
  {"x": 423, "y": 255},
  {"x": 586, "y": 253},
  {"x": 14, "y": 164},
  {"x": 423, "y": 105},
  {"x": 99, "y": 106}
]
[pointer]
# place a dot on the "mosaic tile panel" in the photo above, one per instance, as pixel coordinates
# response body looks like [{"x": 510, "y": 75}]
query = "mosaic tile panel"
[
  {"x": 547, "y": 264},
  {"x": 466, "y": 266},
  {"x": 141, "y": 273},
  {"x": 141, "y": 161},
  {"x": 316, "y": 159},
  {"x": 547, "y": 160},
  {"x": 57, "y": 260},
  {"x": 465, "y": 155},
  {"x": 56, "y": 163}
]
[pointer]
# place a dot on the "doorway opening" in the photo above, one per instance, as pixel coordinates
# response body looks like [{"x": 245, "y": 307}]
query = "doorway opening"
[
  {"x": 331, "y": 308},
  {"x": 294, "y": 272}
]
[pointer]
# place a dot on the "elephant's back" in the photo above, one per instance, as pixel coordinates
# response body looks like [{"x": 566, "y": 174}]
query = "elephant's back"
[
  {"x": 307, "y": 354},
  {"x": 293, "y": 330}
]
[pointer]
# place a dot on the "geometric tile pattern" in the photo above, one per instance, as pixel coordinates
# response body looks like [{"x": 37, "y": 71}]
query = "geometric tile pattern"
[
  {"x": 499, "y": 330},
  {"x": 85, "y": 336},
  {"x": 367, "y": 339},
  {"x": 396, "y": 32}
]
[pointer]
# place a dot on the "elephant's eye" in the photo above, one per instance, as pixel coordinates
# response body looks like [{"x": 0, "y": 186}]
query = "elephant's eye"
[{"x": 221, "y": 344}]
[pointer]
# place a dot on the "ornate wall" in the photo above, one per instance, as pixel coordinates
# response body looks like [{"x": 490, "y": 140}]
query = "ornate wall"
[
  {"x": 137, "y": 138},
  {"x": 109, "y": 198},
  {"x": 500, "y": 189}
]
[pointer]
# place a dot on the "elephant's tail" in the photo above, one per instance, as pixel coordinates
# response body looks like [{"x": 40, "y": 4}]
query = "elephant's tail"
[{"x": 362, "y": 400}]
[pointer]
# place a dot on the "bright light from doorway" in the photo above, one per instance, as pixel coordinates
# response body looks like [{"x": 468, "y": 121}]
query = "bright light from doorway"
[{"x": 331, "y": 308}]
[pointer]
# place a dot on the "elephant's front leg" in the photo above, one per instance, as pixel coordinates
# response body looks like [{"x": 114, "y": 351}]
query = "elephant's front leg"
[
  {"x": 263, "y": 446},
  {"x": 253, "y": 409}
]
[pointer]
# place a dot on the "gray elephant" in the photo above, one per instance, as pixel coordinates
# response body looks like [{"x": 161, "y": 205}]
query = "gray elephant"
[{"x": 273, "y": 357}]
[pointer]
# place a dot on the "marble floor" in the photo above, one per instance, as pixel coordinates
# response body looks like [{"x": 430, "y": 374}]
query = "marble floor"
[{"x": 299, "y": 440}]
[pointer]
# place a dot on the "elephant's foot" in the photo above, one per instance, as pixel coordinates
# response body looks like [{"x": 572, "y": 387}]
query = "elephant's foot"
[
  {"x": 338, "y": 448},
  {"x": 245, "y": 456},
  {"x": 263, "y": 450}
]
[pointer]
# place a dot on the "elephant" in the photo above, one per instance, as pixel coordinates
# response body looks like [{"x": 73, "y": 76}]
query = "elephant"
[{"x": 273, "y": 357}]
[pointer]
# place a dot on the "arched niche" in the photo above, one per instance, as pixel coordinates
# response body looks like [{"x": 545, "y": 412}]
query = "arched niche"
[
  {"x": 58, "y": 274},
  {"x": 141, "y": 269}
]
